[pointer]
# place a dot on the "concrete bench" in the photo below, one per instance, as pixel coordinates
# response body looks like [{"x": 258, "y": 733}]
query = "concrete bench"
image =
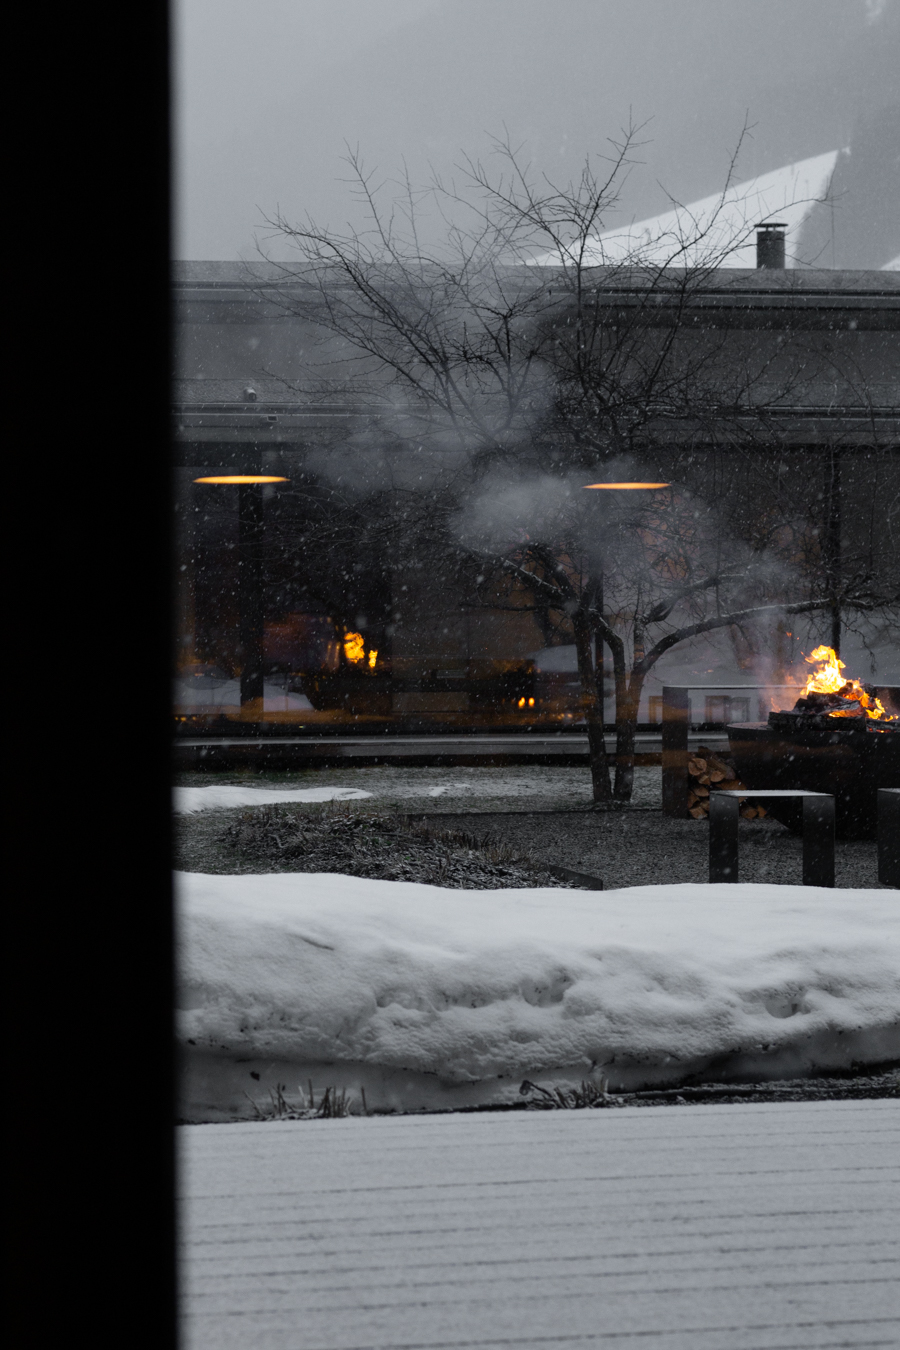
[{"x": 818, "y": 833}]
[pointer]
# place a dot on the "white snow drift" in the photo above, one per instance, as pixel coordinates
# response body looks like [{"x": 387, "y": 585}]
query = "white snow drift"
[
  {"x": 641, "y": 985},
  {"x": 391, "y": 785},
  {"x": 189, "y": 800}
]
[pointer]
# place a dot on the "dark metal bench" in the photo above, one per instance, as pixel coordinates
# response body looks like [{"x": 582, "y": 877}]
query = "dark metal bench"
[
  {"x": 818, "y": 833},
  {"x": 889, "y": 836}
]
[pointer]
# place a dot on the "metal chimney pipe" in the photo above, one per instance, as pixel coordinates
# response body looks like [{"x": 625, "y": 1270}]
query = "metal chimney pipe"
[{"x": 770, "y": 245}]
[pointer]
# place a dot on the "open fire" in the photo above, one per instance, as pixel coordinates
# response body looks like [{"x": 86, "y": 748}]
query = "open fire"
[
  {"x": 837, "y": 739},
  {"x": 828, "y": 693},
  {"x": 355, "y": 651}
]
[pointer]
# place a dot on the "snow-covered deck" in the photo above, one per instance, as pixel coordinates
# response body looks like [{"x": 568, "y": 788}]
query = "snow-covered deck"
[{"x": 691, "y": 1228}]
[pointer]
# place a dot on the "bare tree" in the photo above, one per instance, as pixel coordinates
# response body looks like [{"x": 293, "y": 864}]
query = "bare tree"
[
  {"x": 645, "y": 572},
  {"x": 522, "y": 353}
]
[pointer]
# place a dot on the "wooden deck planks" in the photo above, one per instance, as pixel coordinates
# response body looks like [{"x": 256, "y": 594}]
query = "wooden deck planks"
[{"x": 765, "y": 1226}]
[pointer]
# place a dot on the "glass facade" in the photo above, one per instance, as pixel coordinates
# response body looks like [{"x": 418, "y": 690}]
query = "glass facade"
[
  {"x": 310, "y": 604},
  {"x": 282, "y": 626}
]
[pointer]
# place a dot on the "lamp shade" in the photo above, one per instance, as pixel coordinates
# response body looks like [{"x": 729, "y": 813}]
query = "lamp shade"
[{"x": 242, "y": 478}]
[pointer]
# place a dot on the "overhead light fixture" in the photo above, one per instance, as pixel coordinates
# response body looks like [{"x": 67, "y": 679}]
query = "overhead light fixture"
[
  {"x": 242, "y": 478},
  {"x": 609, "y": 486}
]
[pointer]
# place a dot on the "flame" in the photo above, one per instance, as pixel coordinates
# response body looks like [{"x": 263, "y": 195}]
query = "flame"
[
  {"x": 827, "y": 679},
  {"x": 373, "y": 657},
  {"x": 354, "y": 647}
]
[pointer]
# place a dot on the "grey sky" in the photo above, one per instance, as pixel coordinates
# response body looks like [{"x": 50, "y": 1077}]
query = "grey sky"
[{"x": 268, "y": 91}]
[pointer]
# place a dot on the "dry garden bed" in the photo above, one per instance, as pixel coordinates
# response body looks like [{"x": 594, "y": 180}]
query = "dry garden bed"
[
  {"x": 628, "y": 848},
  {"x": 335, "y": 1103},
  {"x": 342, "y": 837}
]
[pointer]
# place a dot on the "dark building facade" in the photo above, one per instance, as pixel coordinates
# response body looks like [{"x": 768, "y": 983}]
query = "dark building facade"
[{"x": 351, "y": 635}]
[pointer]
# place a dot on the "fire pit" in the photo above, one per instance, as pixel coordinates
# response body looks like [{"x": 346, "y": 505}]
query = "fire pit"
[{"x": 838, "y": 738}]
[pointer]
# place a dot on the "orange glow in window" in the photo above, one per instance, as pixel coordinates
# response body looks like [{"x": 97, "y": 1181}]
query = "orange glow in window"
[{"x": 354, "y": 647}]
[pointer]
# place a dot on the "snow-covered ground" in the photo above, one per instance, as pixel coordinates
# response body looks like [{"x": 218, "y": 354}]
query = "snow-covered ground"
[
  {"x": 528, "y": 788},
  {"x": 425, "y": 996},
  {"x": 189, "y": 800}
]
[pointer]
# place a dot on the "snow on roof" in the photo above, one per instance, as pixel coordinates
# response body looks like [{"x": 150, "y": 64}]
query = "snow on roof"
[{"x": 720, "y": 229}]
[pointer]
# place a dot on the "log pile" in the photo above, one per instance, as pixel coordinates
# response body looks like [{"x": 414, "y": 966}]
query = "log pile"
[{"x": 708, "y": 772}]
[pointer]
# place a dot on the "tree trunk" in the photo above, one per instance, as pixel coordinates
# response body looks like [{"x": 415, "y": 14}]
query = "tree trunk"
[
  {"x": 628, "y": 698},
  {"x": 832, "y": 543},
  {"x": 628, "y": 701},
  {"x": 250, "y": 594},
  {"x": 592, "y": 702}
]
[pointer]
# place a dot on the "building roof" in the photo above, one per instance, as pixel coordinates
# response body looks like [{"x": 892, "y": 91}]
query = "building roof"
[
  {"x": 720, "y": 229},
  {"x": 252, "y": 373}
]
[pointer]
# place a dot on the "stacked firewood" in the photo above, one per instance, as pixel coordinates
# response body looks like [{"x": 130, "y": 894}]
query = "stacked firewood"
[{"x": 707, "y": 772}]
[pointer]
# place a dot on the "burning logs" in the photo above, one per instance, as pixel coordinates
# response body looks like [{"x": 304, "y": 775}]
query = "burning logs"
[
  {"x": 831, "y": 703},
  {"x": 828, "y": 694},
  {"x": 853, "y": 699},
  {"x": 839, "y": 738},
  {"x": 708, "y": 771}
]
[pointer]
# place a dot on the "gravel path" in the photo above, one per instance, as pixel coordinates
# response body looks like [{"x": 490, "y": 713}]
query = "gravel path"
[
  {"x": 632, "y": 848},
  {"x": 645, "y": 848},
  {"x": 512, "y": 788}
]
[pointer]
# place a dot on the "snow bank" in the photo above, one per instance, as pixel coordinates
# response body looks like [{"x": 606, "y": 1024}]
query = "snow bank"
[
  {"x": 457, "y": 990},
  {"x": 188, "y": 800}
]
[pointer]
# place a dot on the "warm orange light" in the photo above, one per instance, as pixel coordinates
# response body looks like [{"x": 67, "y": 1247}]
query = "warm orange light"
[
  {"x": 354, "y": 647},
  {"x": 827, "y": 679},
  {"x": 241, "y": 478},
  {"x": 609, "y": 486},
  {"x": 373, "y": 658}
]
